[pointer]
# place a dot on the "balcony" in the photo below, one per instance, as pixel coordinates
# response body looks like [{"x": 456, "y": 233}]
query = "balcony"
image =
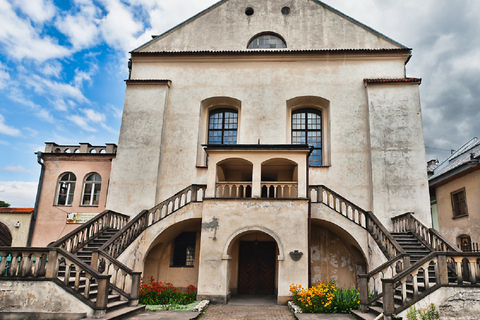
[{"x": 257, "y": 171}]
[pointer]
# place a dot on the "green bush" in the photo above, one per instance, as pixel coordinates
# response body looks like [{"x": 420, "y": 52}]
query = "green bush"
[{"x": 430, "y": 314}]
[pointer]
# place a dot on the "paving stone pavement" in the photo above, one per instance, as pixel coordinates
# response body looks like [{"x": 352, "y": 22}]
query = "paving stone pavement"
[{"x": 233, "y": 312}]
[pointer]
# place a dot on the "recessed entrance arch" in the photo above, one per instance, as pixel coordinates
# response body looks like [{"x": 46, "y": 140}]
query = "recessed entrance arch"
[{"x": 253, "y": 254}]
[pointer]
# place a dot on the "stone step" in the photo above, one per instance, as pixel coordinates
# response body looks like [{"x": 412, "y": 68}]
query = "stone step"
[{"x": 123, "y": 313}]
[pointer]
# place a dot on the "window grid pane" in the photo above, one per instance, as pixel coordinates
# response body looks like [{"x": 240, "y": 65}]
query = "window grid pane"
[
  {"x": 307, "y": 129},
  {"x": 222, "y": 127}
]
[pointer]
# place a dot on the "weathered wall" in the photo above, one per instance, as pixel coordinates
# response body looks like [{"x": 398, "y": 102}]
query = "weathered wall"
[
  {"x": 334, "y": 258},
  {"x": 157, "y": 264},
  {"x": 453, "y": 303},
  {"x": 135, "y": 169},
  {"x": 51, "y": 219},
  {"x": 310, "y": 25},
  {"x": 341, "y": 84},
  {"x": 20, "y": 234},
  {"x": 38, "y": 296},
  {"x": 399, "y": 178},
  {"x": 285, "y": 221},
  {"x": 467, "y": 225}
]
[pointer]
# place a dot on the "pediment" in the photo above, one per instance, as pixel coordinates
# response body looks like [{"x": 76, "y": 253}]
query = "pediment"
[{"x": 309, "y": 25}]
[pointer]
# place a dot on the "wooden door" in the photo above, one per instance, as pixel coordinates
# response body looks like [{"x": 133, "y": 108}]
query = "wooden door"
[
  {"x": 256, "y": 267},
  {"x": 5, "y": 236}
]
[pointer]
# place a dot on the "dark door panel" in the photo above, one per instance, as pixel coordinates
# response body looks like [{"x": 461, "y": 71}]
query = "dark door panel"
[{"x": 256, "y": 267}]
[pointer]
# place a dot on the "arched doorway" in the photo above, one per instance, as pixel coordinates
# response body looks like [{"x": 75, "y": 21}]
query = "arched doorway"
[
  {"x": 5, "y": 236},
  {"x": 254, "y": 265}
]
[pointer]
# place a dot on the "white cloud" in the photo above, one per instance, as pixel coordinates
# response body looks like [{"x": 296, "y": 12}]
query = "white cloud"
[
  {"x": 18, "y": 193},
  {"x": 37, "y": 10},
  {"x": 4, "y": 76},
  {"x": 81, "y": 28},
  {"x": 8, "y": 130},
  {"x": 119, "y": 27},
  {"x": 18, "y": 168},
  {"x": 21, "y": 40}
]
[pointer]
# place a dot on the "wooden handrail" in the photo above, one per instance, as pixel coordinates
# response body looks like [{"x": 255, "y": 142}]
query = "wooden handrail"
[
  {"x": 118, "y": 243},
  {"x": 365, "y": 219},
  {"x": 407, "y": 222},
  {"x": 44, "y": 264},
  {"x": 76, "y": 239}
]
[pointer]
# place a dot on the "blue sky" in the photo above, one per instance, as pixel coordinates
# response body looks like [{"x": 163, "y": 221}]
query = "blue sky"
[{"x": 63, "y": 65}]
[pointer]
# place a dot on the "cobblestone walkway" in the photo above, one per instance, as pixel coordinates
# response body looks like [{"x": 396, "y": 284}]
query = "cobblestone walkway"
[{"x": 229, "y": 312}]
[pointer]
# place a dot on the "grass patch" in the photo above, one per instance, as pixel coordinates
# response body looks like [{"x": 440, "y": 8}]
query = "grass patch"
[{"x": 163, "y": 307}]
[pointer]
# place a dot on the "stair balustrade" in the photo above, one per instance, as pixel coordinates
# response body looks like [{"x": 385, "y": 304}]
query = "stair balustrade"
[
  {"x": 118, "y": 243},
  {"x": 408, "y": 223},
  {"x": 78, "y": 238},
  {"x": 233, "y": 189},
  {"x": 279, "y": 190},
  {"x": 426, "y": 276},
  {"x": 60, "y": 266},
  {"x": 365, "y": 219}
]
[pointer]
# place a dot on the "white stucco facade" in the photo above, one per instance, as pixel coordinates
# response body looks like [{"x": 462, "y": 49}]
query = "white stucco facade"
[{"x": 372, "y": 150}]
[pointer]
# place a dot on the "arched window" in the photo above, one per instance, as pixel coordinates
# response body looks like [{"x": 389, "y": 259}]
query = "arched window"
[
  {"x": 91, "y": 190},
  {"x": 267, "y": 41},
  {"x": 5, "y": 236},
  {"x": 66, "y": 189},
  {"x": 222, "y": 126},
  {"x": 307, "y": 129}
]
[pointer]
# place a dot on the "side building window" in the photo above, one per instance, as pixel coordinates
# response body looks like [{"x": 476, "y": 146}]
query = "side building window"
[
  {"x": 307, "y": 129},
  {"x": 66, "y": 189},
  {"x": 222, "y": 126},
  {"x": 184, "y": 250},
  {"x": 459, "y": 203},
  {"x": 91, "y": 190},
  {"x": 267, "y": 41}
]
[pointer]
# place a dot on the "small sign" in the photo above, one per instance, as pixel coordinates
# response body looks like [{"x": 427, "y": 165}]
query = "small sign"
[{"x": 79, "y": 217}]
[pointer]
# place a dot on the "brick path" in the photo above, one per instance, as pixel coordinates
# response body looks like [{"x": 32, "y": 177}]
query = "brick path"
[{"x": 229, "y": 312}]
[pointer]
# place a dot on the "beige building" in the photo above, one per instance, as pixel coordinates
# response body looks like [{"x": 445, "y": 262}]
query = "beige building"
[
  {"x": 73, "y": 188},
  {"x": 455, "y": 187},
  {"x": 14, "y": 226},
  {"x": 262, "y": 103},
  {"x": 263, "y": 144}
]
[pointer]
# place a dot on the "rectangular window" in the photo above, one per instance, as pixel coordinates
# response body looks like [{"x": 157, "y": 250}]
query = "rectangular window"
[
  {"x": 183, "y": 251},
  {"x": 459, "y": 203}
]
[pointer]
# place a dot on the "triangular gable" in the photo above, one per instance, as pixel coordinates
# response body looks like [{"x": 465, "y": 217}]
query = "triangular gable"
[{"x": 310, "y": 25}]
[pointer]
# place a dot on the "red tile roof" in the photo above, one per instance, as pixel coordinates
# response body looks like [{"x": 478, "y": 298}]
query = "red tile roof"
[{"x": 15, "y": 210}]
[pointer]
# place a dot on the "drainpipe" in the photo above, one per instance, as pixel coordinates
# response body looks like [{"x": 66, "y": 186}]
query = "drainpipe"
[
  {"x": 309, "y": 229},
  {"x": 37, "y": 198}
]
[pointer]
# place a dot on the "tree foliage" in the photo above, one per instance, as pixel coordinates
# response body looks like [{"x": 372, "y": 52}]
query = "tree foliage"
[{"x": 4, "y": 204}]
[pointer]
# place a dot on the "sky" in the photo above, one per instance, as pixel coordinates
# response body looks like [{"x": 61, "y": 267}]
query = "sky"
[{"x": 63, "y": 64}]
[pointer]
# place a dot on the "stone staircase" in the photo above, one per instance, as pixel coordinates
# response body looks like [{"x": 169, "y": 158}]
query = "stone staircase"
[
  {"x": 417, "y": 250},
  {"x": 117, "y": 308}
]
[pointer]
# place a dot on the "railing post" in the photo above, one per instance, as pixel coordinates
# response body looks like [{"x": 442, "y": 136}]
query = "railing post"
[
  {"x": 363, "y": 292},
  {"x": 102, "y": 295},
  {"x": 193, "y": 197},
  {"x": 388, "y": 299},
  {"x": 94, "y": 261},
  {"x": 442, "y": 272},
  {"x": 52, "y": 264},
  {"x": 406, "y": 262},
  {"x": 135, "y": 289}
]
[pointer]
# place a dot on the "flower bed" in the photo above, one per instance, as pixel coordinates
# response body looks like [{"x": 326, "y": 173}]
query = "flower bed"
[
  {"x": 164, "y": 293},
  {"x": 325, "y": 297}
]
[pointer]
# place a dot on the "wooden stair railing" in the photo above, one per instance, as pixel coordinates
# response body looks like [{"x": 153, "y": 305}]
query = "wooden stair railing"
[
  {"x": 365, "y": 219},
  {"x": 408, "y": 223},
  {"x": 45, "y": 263},
  {"x": 78, "y": 238},
  {"x": 117, "y": 244},
  {"x": 428, "y": 275},
  {"x": 121, "y": 279}
]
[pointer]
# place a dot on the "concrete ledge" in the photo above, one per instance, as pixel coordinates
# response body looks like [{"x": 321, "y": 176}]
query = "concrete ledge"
[
  {"x": 40, "y": 315},
  {"x": 220, "y": 299}
]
